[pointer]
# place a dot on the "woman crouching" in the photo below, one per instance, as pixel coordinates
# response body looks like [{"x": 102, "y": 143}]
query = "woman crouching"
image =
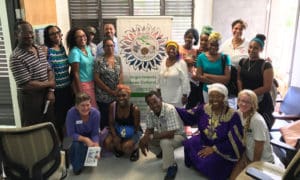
[{"x": 124, "y": 124}]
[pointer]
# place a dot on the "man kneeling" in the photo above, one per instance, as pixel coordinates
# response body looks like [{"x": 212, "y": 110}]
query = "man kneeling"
[{"x": 168, "y": 134}]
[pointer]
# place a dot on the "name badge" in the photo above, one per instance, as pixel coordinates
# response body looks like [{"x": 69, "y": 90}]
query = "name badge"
[{"x": 79, "y": 122}]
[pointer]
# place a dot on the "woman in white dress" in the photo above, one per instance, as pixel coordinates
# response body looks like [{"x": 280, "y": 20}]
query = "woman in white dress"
[{"x": 172, "y": 79}]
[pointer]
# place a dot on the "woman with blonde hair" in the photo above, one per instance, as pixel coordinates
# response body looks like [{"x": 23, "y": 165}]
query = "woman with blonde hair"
[
  {"x": 210, "y": 66},
  {"x": 256, "y": 133}
]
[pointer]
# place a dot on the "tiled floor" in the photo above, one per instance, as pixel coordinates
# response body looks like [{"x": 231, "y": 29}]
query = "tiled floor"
[{"x": 146, "y": 168}]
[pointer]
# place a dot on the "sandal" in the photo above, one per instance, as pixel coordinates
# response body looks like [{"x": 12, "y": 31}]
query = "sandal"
[
  {"x": 135, "y": 155},
  {"x": 118, "y": 153}
]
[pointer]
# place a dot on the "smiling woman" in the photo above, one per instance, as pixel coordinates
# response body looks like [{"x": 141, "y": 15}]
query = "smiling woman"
[
  {"x": 124, "y": 123},
  {"x": 256, "y": 133},
  {"x": 219, "y": 144},
  {"x": 108, "y": 73},
  {"x": 210, "y": 67},
  {"x": 172, "y": 80},
  {"x": 82, "y": 62},
  {"x": 82, "y": 125}
]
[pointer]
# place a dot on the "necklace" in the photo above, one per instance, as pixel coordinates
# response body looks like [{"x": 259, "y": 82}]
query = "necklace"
[
  {"x": 213, "y": 123},
  {"x": 236, "y": 42},
  {"x": 251, "y": 65}
]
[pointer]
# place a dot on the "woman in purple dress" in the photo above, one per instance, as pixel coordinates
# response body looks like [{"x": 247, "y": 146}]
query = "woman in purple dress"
[{"x": 219, "y": 145}]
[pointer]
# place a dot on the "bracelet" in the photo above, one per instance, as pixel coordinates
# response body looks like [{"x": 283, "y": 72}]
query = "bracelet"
[
  {"x": 51, "y": 90},
  {"x": 151, "y": 136}
]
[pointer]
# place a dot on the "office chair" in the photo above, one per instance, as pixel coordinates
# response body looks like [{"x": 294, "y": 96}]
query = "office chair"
[
  {"x": 32, "y": 152},
  {"x": 289, "y": 106},
  {"x": 266, "y": 170},
  {"x": 282, "y": 130}
]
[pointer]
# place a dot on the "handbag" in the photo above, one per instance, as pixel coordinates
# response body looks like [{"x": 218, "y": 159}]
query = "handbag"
[{"x": 125, "y": 131}]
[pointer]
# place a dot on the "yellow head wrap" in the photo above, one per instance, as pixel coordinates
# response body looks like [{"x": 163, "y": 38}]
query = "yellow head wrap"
[
  {"x": 172, "y": 43},
  {"x": 214, "y": 36}
]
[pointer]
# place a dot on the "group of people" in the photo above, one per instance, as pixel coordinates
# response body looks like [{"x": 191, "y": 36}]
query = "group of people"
[{"x": 191, "y": 90}]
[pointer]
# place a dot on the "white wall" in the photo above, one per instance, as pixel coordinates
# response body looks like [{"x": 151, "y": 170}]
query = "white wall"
[
  {"x": 203, "y": 13},
  {"x": 63, "y": 20},
  {"x": 253, "y": 12},
  {"x": 295, "y": 74}
]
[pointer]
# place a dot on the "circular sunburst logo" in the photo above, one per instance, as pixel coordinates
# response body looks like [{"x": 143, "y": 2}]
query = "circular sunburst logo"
[{"x": 143, "y": 47}]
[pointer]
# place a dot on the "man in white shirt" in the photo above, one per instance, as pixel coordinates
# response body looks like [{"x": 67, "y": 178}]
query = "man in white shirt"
[
  {"x": 168, "y": 134},
  {"x": 109, "y": 31}
]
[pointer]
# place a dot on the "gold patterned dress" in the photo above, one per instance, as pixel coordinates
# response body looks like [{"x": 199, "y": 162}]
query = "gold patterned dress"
[{"x": 223, "y": 132}]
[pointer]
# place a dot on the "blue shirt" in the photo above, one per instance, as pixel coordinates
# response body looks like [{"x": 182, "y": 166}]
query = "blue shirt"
[
  {"x": 210, "y": 67},
  {"x": 86, "y": 63},
  {"x": 58, "y": 59}
]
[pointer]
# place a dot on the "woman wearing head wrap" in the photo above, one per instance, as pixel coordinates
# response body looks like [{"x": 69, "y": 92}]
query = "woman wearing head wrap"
[
  {"x": 206, "y": 31},
  {"x": 219, "y": 145},
  {"x": 257, "y": 74},
  {"x": 210, "y": 66},
  {"x": 172, "y": 79}
]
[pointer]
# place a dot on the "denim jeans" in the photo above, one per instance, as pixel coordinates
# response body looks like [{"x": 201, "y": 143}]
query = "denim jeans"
[{"x": 77, "y": 155}]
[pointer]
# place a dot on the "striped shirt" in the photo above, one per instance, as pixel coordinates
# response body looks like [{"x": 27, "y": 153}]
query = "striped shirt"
[
  {"x": 26, "y": 66},
  {"x": 168, "y": 120},
  {"x": 58, "y": 59}
]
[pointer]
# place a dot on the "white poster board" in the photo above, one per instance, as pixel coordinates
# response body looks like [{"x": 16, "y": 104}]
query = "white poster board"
[{"x": 141, "y": 41}]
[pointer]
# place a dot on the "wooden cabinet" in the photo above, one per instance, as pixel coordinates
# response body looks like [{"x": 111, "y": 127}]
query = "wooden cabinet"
[{"x": 39, "y": 12}]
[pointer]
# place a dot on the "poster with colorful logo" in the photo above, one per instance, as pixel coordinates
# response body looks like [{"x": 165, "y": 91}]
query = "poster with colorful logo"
[{"x": 141, "y": 41}]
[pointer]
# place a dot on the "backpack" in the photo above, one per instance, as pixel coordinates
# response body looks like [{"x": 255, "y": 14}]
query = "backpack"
[{"x": 232, "y": 83}]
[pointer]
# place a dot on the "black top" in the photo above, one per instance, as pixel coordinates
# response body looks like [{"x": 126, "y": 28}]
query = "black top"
[
  {"x": 125, "y": 121},
  {"x": 252, "y": 73}
]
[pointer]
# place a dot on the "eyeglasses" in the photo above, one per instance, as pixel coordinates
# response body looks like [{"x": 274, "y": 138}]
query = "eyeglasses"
[
  {"x": 109, "y": 45},
  {"x": 55, "y": 33},
  {"x": 244, "y": 101},
  {"x": 81, "y": 37}
]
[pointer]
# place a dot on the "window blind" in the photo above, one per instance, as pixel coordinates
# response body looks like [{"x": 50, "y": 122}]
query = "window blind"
[{"x": 6, "y": 110}]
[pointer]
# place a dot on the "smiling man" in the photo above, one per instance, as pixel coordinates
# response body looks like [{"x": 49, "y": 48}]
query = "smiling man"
[
  {"x": 109, "y": 31},
  {"x": 34, "y": 77},
  {"x": 168, "y": 135}
]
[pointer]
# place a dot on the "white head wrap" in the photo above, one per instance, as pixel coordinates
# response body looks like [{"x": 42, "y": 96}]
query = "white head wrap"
[{"x": 221, "y": 88}]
